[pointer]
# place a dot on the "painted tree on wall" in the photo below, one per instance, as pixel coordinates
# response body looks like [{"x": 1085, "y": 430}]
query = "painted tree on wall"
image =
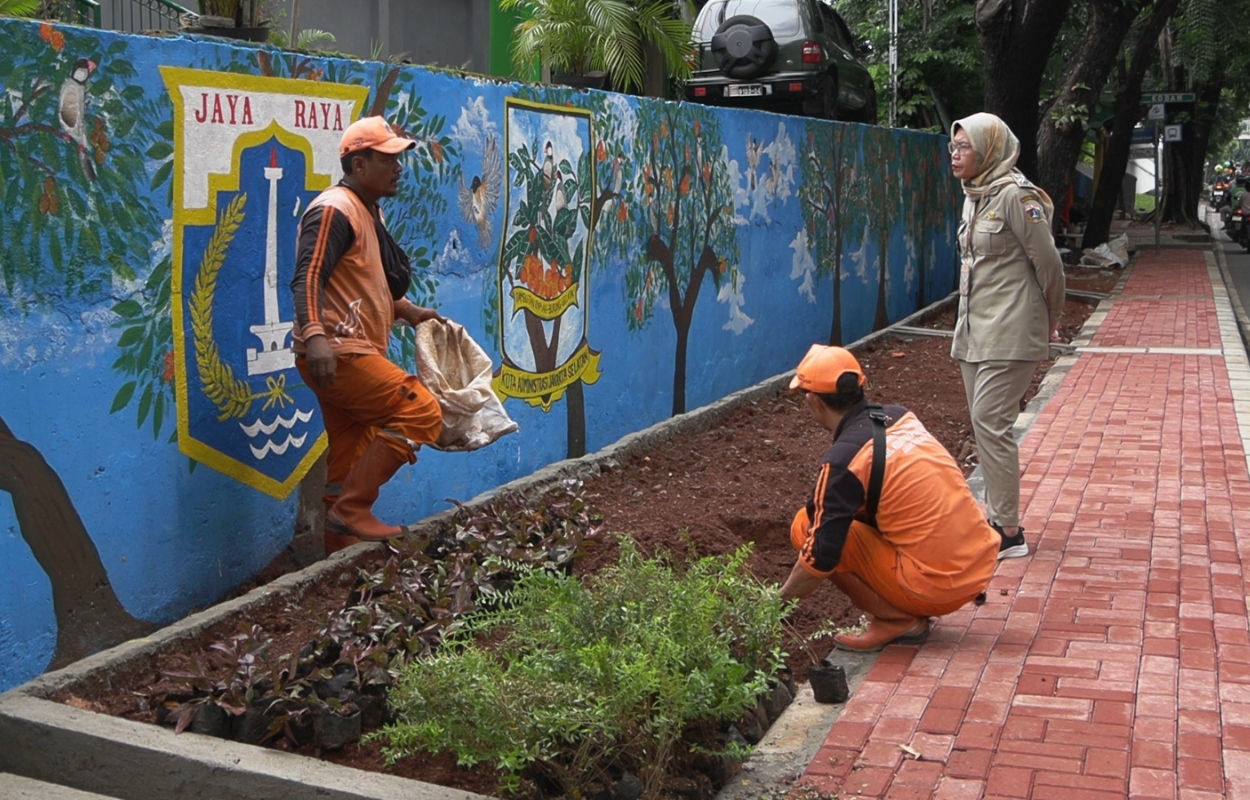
[
  {"x": 684, "y": 213},
  {"x": 884, "y": 193},
  {"x": 831, "y": 202},
  {"x": 73, "y": 154},
  {"x": 926, "y": 204}
]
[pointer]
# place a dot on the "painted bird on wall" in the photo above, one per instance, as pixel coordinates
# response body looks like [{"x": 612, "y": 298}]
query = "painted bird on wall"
[
  {"x": 478, "y": 198},
  {"x": 73, "y": 111}
]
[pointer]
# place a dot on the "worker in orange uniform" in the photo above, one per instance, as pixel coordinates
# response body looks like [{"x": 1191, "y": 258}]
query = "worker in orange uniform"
[
  {"x": 350, "y": 286},
  {"x": 927, "y": 552}
]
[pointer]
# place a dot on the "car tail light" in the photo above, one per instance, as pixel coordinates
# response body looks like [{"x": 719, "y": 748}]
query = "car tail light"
[
  {"x": 700, "y": 91},
  {"x": 796, "y": 87},
  {"x": 812, "y": 53}
]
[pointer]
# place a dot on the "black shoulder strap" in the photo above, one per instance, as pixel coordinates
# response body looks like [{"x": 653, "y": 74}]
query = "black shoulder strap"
[{"x": 877, "y": 414}]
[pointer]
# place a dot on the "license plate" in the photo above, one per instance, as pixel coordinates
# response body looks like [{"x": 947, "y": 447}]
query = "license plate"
[{"x": 745, "y": 90}]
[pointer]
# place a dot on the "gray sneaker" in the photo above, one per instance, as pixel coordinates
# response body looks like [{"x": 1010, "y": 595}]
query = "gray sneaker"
[{"x": 1013, "y": 547}]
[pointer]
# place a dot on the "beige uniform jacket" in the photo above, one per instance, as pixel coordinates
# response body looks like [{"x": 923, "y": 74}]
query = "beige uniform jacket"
[{"x": 1011, "y": 281}]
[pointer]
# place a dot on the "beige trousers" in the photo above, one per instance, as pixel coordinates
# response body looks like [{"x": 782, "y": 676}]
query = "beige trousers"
[{"x": 994, "y": 389}]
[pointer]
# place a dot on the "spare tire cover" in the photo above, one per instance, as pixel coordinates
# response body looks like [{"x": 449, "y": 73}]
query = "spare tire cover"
[{"x": 743, "y": 47}]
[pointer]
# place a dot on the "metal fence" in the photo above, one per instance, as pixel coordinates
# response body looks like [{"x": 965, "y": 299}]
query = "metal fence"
[
  {"x": 136, "y": 16},
  {"x": 129, "y": 16}
]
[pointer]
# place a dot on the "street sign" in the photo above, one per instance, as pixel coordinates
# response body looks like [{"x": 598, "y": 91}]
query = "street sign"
[
  {"x": 1156, "y": 112},
  {"x": 1171, "y": 133},
  {"x": 1143, "y": 135},
  {"x": 1168, "y": 97}
]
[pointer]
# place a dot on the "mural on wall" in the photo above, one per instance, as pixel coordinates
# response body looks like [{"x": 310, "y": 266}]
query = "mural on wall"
[
  {"x": 832, "y": 202},
  {"x": 544, "y": 286},
  {"x": 130, "y": 309},
  {"x": 250, "y": 153},
  {"x": 73, "y": 182},
  {"x": 685, "y": 214}
]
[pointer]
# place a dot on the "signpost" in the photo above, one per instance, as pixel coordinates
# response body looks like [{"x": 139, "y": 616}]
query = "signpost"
[
  {"x": 1171, "y": 133},
  {"x": 1168, "y": 97}
]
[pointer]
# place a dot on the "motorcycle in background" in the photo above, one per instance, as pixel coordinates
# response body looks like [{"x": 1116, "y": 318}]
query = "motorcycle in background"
[{"x": 1219, "y": 193}]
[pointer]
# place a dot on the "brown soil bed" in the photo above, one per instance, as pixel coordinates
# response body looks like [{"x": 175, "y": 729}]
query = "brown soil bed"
[{"x": 708, "y": 493}]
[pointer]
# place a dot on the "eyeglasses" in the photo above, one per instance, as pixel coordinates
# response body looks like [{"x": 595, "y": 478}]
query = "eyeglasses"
[{"x": 963, "y": 148}]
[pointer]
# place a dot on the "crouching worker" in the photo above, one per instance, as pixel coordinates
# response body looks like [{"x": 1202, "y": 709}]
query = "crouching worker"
[
  {"x": 928, "y": 551},
  {"x": 350, "y": 283}
]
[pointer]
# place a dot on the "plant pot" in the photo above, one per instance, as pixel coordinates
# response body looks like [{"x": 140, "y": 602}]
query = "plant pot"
[
  {"x": 828, "y": 683},
  {"x": 776, "y": 701},
  {"x": 593, "y": 80},
  {"x": 251, "y": 727},
  {"x": 335, "y": 731},
  {"x": 210, "y": 720},
  {"x": 259, "y": 35}
]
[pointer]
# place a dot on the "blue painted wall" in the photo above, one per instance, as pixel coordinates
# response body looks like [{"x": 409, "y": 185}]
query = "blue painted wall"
[{"x": 105, "y": 275}]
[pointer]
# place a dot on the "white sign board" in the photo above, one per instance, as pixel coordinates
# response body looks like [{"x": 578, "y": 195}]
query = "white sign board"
[
  {"x": 1171, "y": 133},
  {"x": 1156, "y": 112}
]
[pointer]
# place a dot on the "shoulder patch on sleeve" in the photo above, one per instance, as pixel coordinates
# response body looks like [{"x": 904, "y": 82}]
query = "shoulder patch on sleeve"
[
  {"x": 1021, "y": 180},
  {"x": 1033, "y": 210}
]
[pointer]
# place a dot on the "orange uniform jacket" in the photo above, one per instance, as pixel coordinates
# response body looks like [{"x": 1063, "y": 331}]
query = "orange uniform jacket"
[
  {"x": 944, "y": 548},
  {"x": 339, "y": 284}
]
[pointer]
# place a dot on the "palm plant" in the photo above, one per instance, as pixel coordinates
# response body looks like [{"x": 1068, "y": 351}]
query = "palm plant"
[
  {"x": 580, "y": 36},
  {"x": 18, "y": 8}
]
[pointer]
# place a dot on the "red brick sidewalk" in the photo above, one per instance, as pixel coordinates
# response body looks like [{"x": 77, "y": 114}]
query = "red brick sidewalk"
[{"x": 1114, "y": 661}]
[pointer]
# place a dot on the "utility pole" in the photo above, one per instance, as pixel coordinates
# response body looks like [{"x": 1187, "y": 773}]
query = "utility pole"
[{"x": 893, "y": 58}]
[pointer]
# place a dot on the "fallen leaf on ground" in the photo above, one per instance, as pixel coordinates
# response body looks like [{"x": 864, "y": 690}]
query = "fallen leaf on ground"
[{"x": 909, "y": 750}]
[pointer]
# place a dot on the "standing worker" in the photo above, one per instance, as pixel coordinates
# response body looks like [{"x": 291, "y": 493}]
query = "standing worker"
[
  {"x": 1010, "y": 299},
  {"x": 350, "y": 283},
  {"x": 904, "y": 542}
]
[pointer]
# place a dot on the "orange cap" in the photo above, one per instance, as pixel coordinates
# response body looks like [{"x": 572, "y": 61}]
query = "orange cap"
[
  {"x": 373, "y": 133},
  {"x": 822, "y": 366}
]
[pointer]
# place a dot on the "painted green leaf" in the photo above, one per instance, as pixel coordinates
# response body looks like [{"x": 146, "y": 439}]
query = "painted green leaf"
[
  {"x": 160, "y": 150},
  {"x": 128, "y": 309},
  {"x": 122, "y": 398},
  {"x": 162, "y": 174},
  {"x": 130, "y": 336},
  {"x": 145, "y": 404}
]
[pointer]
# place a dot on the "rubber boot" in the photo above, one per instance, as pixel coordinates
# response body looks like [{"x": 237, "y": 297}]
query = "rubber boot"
[
  {"x": 333, "y": 536},
  {"x": 887, "y": 624},
  {"x": 352, "y": 513}
]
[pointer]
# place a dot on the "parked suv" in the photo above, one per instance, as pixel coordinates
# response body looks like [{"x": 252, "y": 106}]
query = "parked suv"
[{"x": 781, "y": 55}]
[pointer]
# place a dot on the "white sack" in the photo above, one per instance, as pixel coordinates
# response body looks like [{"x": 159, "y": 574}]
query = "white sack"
[
  {"x": 457, "y": 372},
  {"x": 1102, "y": 256}
]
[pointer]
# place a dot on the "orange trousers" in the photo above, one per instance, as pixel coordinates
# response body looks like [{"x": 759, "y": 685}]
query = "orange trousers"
[
  {"x": 372, "y": 397},
  {"x": 875, "y": 560}
]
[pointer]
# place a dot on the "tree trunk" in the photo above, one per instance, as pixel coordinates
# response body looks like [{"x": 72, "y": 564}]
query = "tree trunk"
[
  {"x": 89, "y": 617},
  {"x": 575, "y": 406},
  {"x": 1016, "y": 37},
  {"x": 1062, "y": 130},
  {"x": 1184, "y": 166},
  {"x": 1128, "y": 111},
  {"x": 681, "y": 324},
  {"x": 882, "y": 318}
]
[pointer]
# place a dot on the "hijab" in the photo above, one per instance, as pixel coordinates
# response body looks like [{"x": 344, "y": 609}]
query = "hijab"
[{"x": 997, "y": 150}]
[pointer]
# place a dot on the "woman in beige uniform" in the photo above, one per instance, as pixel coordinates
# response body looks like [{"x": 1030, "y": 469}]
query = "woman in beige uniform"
[{"x": 1010, "y": 300}]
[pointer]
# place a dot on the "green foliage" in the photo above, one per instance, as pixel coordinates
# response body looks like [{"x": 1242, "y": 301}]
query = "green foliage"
[
  {"x": 398, "y": 610},
  {"x": 308, "y": 39},
  {"x": 579, "y": 677},
  {"x": 19, "y": 8},
  {"x": 579, "y": 36},
  {"x": 939, "y": 60}
]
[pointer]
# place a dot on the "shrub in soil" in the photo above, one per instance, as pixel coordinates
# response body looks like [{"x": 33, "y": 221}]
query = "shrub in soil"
[
  {"x": 574, "y": 684},
  {"x": 334, "y": 686}
]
